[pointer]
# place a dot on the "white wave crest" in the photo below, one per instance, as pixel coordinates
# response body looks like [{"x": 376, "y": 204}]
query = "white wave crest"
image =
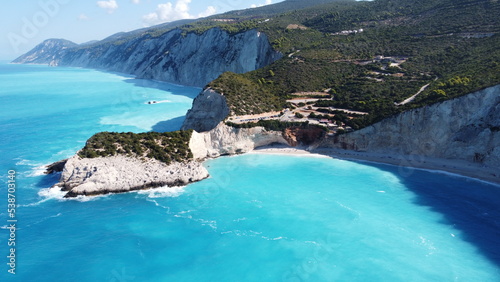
[
  {"x": 55, "y": 193},
  {"x": 52, "y": 193},
  {"x": 47, "y": 194},
  {"x": 163, "y": 192},
  {"x": 25, "y": 162},
  {"x": 275, "y": 238},
  {"x": 37, "y": 171}
]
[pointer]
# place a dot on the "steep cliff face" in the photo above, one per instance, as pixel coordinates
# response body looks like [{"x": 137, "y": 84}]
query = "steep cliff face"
[
  {"x": 190, "y": 59},
  {"x": 226, "y": 140},
  {"x": 466, "y": 128},
  {"x": 208, "y": 110},
  {"x": 303, "y": 136}
]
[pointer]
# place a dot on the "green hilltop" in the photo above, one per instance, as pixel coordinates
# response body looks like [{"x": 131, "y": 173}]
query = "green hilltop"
[{"x": 370, "y": 56}]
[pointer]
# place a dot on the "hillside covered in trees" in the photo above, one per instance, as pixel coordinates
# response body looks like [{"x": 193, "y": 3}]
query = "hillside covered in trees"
[{"x": 370, "y": 56}]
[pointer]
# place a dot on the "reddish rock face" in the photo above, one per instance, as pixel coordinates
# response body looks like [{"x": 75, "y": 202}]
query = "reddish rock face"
[{"x": 303, "y": 136}]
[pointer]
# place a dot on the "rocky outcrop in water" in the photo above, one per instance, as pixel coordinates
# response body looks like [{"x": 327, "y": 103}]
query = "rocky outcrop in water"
[
  {"x": 187, "y": 59},
  {"x": 96, "y": 176},
  {"x": 465, "y": 128},
  {"x": 55, "y": 167}
]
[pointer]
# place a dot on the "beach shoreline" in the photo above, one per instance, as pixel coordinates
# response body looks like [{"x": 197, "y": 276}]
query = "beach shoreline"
[{"x": 457, "y": 168}]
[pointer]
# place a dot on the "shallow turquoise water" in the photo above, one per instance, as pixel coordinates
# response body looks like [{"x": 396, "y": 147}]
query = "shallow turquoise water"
[{"x": 258, "y": 218}]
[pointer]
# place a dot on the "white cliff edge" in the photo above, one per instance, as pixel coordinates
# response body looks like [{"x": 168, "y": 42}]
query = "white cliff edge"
[
  {"x": 226, "y": 140},
  {"x": 208, "y": 110}
]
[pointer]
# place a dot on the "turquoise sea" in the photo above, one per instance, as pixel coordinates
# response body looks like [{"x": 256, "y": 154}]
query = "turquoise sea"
[{"x": 258, "y": 218}]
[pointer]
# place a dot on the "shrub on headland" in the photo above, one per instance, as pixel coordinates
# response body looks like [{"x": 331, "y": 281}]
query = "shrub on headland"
[{"x": 166, "y": 147}]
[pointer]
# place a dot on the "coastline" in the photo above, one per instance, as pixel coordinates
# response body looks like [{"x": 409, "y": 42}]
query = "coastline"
[
  {"x": 456, "y": 168},
  {"x": 285, "y": 150}
]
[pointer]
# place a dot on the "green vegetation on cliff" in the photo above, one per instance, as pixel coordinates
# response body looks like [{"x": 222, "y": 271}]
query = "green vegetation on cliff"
[
  {"x": 245, "y": 95},
  {"x": 275, "y": 125},
  {"x": 452, "y": 45},
  {"x": 166, "y": 147}
]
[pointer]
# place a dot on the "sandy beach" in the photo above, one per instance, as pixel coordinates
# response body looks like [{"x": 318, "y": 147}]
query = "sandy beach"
[
  {"x": 284, "y": 150},
  {"x": 456, "y": 167}
]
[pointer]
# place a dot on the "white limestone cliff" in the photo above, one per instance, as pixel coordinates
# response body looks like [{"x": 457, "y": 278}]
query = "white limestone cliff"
[
  {"x": 226, "y": 140},
  {"x": 466, "y": 128},
  {"x": 208, "y": 110},
  {"x": 188, "y": 59}
]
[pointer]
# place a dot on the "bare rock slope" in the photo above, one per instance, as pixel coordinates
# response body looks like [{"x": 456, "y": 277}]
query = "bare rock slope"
[
  {"x": 208, "y": 110},
  {"x": 84, "y": 176},
  {"x": 465, "y": 128}
]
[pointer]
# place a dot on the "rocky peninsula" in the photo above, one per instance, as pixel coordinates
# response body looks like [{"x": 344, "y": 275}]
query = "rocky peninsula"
[
  {"x": 123, "y": 172},
  {"x": 115, "y": 162}
]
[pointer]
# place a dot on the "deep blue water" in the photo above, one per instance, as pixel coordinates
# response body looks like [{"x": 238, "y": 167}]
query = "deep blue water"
[{"x": 258, "y": 218}]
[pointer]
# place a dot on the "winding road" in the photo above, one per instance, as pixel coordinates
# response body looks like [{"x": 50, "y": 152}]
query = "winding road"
[{"x": 413, "y": 97}]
